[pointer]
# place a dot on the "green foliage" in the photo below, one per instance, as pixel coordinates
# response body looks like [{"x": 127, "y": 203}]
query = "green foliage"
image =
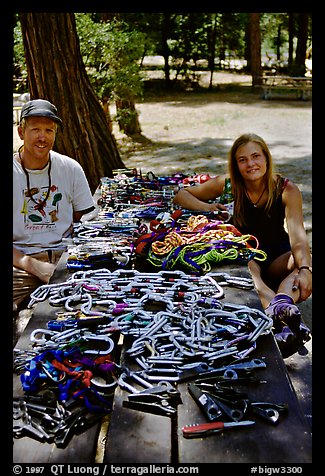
[
  {"x": 111, "y": 54},
  {"x": 19, "y": 64},
  {"x": 113, "y": 51},
  {"x": 189, "y": 37},
  {"x": 230, "y": 34},
  {"x": 274, "y": 30}
]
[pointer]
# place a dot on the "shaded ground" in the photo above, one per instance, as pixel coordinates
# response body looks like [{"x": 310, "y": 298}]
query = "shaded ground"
[{"x": 192, "y": 132}]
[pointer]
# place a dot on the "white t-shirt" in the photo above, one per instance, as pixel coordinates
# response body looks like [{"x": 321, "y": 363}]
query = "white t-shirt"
[{"x": 42, "y": 225}]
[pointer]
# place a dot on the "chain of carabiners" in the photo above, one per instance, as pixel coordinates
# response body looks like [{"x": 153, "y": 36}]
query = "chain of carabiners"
[{"x": 170, "y": 313}]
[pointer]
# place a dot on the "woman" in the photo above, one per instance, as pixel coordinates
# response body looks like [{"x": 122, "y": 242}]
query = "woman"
[{"x": 269, "y": 207}]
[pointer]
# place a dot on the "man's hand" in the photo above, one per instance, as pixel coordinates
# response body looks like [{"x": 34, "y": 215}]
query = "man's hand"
[{"x": 41, "y": 269}]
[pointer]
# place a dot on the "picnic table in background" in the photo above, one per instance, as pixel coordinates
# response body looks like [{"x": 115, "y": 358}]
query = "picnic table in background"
[{"x": 301, "y": 86}]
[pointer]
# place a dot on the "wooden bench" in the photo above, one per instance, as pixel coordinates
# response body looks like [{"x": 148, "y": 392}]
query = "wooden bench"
[
  {"x": 140, "y": 437},
  {"x": 300, "y": 86}
]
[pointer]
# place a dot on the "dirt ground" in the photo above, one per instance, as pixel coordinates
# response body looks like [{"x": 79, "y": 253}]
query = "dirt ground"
[{"x": 192, "y": 132}]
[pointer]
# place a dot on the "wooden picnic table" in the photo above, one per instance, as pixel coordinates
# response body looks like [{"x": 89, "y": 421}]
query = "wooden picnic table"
[
  {"x": 300, "y": 85},
  {"x": 139, "y": 437}
]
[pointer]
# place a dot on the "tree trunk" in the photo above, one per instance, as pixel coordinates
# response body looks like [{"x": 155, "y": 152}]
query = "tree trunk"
[
  {"x": 290, "y": 40},
  {"x": 247, "y": 50},
  {"x": 212, "y": 49},
  {"x": 127, "y": 117},
  {"x": 278, "y": 44},
  {"x": 165, "y": 48},
  {"x": 255, "y": 47},
  {"x": 105, "y": 105},
  {"x": 300, "y": 61},
  {"x": 56, "y": 73}
]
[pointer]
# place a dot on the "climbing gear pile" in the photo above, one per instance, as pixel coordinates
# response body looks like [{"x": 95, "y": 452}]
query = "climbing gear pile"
[
  {"x": 175, "y": 326},
  {"x": 178, "y": 239},
  {"x": 170, "y": 317},
  {"x": 79, "y": 376},
  {"x": 197, "y": 245}
]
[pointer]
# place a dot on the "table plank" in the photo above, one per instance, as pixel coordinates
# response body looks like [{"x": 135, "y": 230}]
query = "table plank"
[
  {"x": 81, "y": 449},
  {"x": 287, "y": 442},
  {"x": 139, "y": 437},
  {"x": 133, "y": 435}
]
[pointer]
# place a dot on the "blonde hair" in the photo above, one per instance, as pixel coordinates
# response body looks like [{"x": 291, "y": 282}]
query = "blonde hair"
[{"x": 238, "y": 186}]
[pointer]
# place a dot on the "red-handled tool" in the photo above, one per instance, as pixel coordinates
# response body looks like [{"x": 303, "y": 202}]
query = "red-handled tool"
[{"x": 205, "y": 429}]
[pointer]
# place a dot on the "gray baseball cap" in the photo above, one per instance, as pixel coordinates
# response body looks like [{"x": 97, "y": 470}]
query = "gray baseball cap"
[{"x": 40, "y": 108}]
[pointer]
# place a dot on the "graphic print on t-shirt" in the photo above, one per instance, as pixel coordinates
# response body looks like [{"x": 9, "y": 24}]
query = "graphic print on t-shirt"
[{"x": 41, "y": 213}]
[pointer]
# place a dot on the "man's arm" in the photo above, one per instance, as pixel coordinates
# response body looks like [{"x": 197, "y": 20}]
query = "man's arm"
[
  {"x": 40, "y": 269},
  {"x": 77, "y": 215}
]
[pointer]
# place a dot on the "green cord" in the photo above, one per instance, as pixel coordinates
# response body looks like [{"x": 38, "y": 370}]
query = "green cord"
[{"x": 202, "y": 260}]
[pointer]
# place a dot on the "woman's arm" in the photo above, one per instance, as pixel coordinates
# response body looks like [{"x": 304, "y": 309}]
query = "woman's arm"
[
  {"x": 197, "y": 197},
  {"x": 300, "y": 248}
]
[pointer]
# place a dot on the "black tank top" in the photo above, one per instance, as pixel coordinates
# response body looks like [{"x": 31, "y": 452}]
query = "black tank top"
[{"x": 268, "y": 228}]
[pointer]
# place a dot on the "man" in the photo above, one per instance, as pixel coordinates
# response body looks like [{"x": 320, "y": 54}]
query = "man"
[{"x": 50, "y": 193}]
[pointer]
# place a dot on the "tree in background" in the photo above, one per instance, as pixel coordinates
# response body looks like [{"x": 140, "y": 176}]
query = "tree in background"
[
  {"x": 113, "y": 46},
  {"x": 111, "y": 53},
  {"x": 286, "y": 40},
  {"x": 255, "y": 47},
  {"x": 188, "y": 37},
  {"x": 302, "y": 38},
  {"x": 56, "y": 72}
]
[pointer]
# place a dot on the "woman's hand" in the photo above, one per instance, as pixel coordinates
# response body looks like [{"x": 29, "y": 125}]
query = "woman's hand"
[
  {"x": 219, "y": 210},
  {"x": 303, "y": 282}
]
